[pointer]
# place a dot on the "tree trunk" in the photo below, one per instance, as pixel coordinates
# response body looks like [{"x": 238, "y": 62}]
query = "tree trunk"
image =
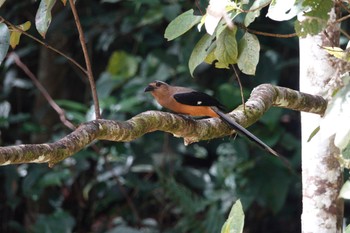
[{"x": 321, "y": 171}]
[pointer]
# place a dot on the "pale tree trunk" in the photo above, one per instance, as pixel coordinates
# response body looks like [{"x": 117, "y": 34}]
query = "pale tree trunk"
[{"x": 321, "y": 171}]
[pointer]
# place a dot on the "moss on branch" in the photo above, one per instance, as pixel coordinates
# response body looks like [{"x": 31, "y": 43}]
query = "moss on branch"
[{"x": 262, "y": 98}]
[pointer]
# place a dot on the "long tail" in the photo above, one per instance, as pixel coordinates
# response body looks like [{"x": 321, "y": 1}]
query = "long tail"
[{"x": 243, "y": 131}]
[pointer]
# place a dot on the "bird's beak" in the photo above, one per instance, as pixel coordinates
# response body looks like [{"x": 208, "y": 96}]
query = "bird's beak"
[{"x": 149, "y": 88}]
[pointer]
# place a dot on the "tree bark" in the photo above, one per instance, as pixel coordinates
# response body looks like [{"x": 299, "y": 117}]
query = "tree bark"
[
  {"x": 322, "y": 175},
  {"x": 262, "y": 98}
]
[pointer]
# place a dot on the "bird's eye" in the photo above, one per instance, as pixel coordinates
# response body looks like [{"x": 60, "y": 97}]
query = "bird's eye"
[{"x": 158, "y": 84}]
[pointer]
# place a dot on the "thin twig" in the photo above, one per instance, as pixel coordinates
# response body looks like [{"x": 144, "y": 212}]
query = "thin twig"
[
  {"x": 42, "y": 90},
  {"x": 240, "y": 85},
  {"x": 87, "y": 60},
  {"x": 240, "y": 25},
  {"x": 14, "y": 27},
  {"x": 343, "y": 18},
  {"x": 198, "y": 7},
  {"x": 344, "y": 33}
]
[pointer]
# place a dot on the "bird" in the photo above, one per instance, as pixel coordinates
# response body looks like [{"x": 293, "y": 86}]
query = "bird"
[{"x": 188, "y": 101}]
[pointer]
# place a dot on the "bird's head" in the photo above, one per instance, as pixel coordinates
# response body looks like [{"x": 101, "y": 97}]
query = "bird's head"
[{"x": 157, "y": 87}]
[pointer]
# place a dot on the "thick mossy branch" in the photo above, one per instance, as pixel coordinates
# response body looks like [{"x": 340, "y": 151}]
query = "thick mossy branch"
[{"x": 262, "y": 98}]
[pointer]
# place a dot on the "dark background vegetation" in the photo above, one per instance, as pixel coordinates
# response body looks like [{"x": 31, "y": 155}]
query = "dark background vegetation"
[{"x": 155, "y": 183}]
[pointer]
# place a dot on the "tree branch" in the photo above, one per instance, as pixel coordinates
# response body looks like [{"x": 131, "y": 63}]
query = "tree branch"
[
  {"x": 87, "y": 60},
  {"x": 262, "y": 98}
]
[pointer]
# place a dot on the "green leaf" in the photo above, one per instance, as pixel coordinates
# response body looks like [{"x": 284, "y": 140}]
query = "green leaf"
[
  {"x": 254, "y": 11},
  {"x": 345, "y": 190},
  {"x": 122, "y": 64},
  {"x": 72, "y": 105},
  {"x": 315, "y": 20},
  {"x": 226, "y": 50},
  {"x": 54, "y": 178},
  {"x": 347, "y": 229},
  {"x": 282, "y": 10},
  {"x": 16, "y": 35},
  {"x": 313, "y": 133},
  {"x": 201, "y": 51},
  {"x": 210, "y": 57},
  {"x": 4, "y": 41},
  {"x": 336, "y": 119},
  {"x": 58, "y": 222},
  {"x": 181, "y": 24},
  {"x": 248, "y": 57},
  {"x": 43, "y": 16},
  {"x": 339, "y": 53},
  {"x": 235, "y": 221}
]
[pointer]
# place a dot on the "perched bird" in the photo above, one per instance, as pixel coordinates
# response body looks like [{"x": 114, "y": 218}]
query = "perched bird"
[{"x": 190, "y": 102}]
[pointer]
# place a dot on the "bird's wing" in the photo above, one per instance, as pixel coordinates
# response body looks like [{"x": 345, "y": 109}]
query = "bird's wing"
[{"x": 196, "y": 98}]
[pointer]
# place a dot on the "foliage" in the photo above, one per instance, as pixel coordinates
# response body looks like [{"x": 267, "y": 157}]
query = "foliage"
[
  {"x": 235, "y": 220},
  {"x": 154, "y": 184}
]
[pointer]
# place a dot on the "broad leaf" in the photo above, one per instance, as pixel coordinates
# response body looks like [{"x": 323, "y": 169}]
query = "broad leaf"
[
  {"x": 122, "y": 64},
  {"x": 226, "y": 51},
  {"x": 248, "y": 57},
  {"x": 281, "y": 10},
  {"x": 235, "y": 220},
  {"x": 336, "y": 120},
  {"x": 181, "y": 24},
  {"x": 4, "y": 41},
  {"x": 315, "y": 20},
  {"x": 345, "y": 190},
  {"x": 43, "y": 16},
  {"x": 347, "y": 229},
  {"x": 200, "y": 52},
  {"x": 254, "y": 11}
]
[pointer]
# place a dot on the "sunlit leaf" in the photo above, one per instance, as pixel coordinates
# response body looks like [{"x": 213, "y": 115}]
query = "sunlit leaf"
[
  {"x": 4, "y": 41},
  {"x": 336, "y": 120},
  {"x": 254, "y": 11},
  {"x": 43, "y": 16},
  {"x": 338, "y": 53},
  {"x": 281, "y": 10},
  {"x": 2, "y": 2},
  {"x": 248, "y": 57},
  {"x": 16, "y": 35},
  {"x": 216, "y": 10},
  {"x": 347, "y": 229},
  {"x": 200, "y": 52},
  {"x": 226, "y": 51},
  {"x": 315, "y": 19},
  {"x": 345, "y": 190},
  {"x": 181, "y": 24},
  {"x": 235, "y": 220}
]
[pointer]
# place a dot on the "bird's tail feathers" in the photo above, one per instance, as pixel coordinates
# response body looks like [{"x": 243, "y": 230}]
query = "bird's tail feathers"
[{"x": 241, "y": 130}]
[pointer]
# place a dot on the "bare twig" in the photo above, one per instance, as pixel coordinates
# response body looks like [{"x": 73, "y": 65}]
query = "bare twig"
[
  {"x": 87, "y": 60},
  {"x": 240, "y": 85},
  {"x": 42, "y": 90},
  {"x": 14, "y": 27},
  {"x": 240, "y": 25}
]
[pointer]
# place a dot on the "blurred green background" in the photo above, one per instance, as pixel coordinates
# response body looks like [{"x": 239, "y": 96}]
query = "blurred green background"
[{"x": 155, "y": 183}]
